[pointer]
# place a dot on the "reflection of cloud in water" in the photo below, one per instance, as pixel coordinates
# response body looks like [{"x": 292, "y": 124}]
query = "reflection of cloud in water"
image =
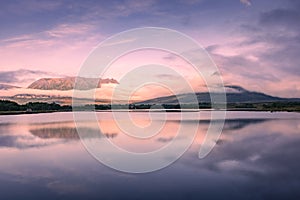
[
  {"x": 45, "y": 134},
  {"x": 11, "y": 136},
  {"x": 164, "y": 140},
  {"x": 64, "y": 188},
  {"x": 21, "y": 142},
  {"x": 263, "y": 158},
  {"x": 254, "y": 159}
]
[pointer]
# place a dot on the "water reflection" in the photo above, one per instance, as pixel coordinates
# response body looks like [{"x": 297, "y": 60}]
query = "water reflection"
[
  {"x": 32, "y": 135},
  {"x": 62, "y": 132},
  {"x": 255, "y": 158}
]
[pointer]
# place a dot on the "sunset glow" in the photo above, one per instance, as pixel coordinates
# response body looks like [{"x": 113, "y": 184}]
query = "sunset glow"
[{"x": 248, "y": 47}]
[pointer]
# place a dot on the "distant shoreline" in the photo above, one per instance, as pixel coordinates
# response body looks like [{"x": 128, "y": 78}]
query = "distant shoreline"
[
  {"x": 137, "y": 110},
  {"x": 25, "y": 112},
  {"x": 12, "y": 108}
]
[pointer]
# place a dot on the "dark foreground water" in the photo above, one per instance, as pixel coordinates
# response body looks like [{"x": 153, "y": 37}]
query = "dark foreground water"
[{"x": 257, "y": 157}]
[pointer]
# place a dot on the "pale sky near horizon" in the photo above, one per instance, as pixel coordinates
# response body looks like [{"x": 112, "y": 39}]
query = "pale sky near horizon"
[{"x": 255, "y": 44}]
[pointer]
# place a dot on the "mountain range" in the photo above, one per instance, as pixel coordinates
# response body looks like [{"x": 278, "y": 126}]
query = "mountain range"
[
  {"x": 68, "y": 83},
  {"x": 63, "y": 84},
  {"x": 234, "y": 94}
]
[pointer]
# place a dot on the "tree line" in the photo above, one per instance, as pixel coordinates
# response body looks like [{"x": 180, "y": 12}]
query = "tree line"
[{"x": 6, "y": 105}]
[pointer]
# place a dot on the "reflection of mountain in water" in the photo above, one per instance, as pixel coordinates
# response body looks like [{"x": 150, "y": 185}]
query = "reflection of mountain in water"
[
  {"x": 59, "y": 133},
  {"x": 68, "y": 133},
  {"x": 236, "y": 124},
  {"x": 229, "y": 125},
  {"x": 46, "y": 135}
]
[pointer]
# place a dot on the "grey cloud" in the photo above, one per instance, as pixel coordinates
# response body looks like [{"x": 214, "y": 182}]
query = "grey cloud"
[
  {"x": 170, "y": 57},
  {"x": 167, "y": 76},
  {"x": 277, "y": 31},
  {"x": 281, "y": 52},
  {"x": 212, "y": 48},
  {"x": 215, "y": 74},
  {"x": 246, "y": 2},
  {"x": 285, "y": 58},
  {"x": 241, "y": 65},
  {"x": 281, "y": 17},
  {"x": 21, "y": 75},
  {"x": 281, "y": 29}
]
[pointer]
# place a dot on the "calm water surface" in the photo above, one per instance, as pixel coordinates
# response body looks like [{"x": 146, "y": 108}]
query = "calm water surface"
[{"x": 257, "y": 157}]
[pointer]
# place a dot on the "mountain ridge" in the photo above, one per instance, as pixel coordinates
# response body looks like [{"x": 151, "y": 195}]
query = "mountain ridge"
[
  {"x": 68, "y": 83},
  {"x": 240, "y": 95}
]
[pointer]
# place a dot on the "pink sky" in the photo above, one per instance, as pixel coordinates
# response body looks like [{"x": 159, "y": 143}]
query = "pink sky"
[{"x": 251, "y": 49}]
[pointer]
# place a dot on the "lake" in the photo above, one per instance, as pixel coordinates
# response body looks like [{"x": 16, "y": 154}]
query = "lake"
[{"x": 256, "y": 157}]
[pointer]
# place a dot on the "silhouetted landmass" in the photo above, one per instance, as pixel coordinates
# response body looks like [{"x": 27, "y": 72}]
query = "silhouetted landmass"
[
  {"x": 235, "y": 94},
  {"x": 10, "y": 107}
]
